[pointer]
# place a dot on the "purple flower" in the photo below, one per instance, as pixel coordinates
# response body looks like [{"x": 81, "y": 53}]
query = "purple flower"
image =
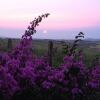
[
  {"x": 76, "y": 91},
  {"x": 48, "y": 85},
  {"x": 92, "y": 85}
]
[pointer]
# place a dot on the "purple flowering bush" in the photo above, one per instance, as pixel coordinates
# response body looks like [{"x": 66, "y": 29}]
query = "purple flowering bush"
[{"x": 23, "y": 77}]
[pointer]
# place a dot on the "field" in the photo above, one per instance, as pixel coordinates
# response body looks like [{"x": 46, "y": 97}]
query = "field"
[{"x": 91, "y": 49}]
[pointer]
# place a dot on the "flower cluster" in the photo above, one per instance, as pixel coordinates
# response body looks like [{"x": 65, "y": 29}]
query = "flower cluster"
[{"x": 95, "y": 78}]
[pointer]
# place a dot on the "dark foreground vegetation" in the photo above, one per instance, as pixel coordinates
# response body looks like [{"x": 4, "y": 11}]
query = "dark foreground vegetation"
[{"x": 26, "y": 74}]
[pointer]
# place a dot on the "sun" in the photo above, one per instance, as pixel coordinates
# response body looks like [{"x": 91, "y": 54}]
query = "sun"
[{"x": 45, "y": 31}]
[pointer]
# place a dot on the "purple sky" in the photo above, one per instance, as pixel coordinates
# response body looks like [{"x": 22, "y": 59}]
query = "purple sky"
[{"x": 68, "y": 17}]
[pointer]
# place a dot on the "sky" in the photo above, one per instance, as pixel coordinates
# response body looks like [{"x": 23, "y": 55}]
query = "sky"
[{"x": 67, "y": 18}]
